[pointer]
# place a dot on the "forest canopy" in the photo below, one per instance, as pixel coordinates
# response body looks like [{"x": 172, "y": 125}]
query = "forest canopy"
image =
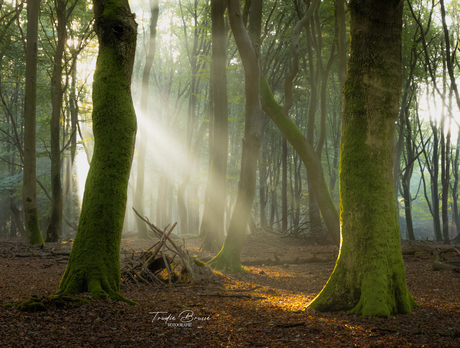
[{"x": 178, "y": 125}]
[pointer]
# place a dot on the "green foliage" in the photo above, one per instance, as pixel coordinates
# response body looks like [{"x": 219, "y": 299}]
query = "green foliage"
[{"x": 9, "y": 183}]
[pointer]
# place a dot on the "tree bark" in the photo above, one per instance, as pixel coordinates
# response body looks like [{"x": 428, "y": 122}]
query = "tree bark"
[
  {"x": 248, "y": 43},
  {"x": 94, "y": 263},
  {"x": 284, "y": 201},
  {"x": 139, "y": 195},
  {"x": 54, "y": 227},
  {"x": 17, "y": 216},
  {"x": 406, "y": 177},
  {"x": 369, "y": 277},
  {"x": 455, "y": 175},
  {"x": 263, "y": 188},
  {"x": 212, "y": 227},
  {"x": 29, "y": 189}
]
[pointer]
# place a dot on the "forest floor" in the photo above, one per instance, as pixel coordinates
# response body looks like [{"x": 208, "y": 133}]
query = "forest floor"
[{"x": 264, "y": 307}]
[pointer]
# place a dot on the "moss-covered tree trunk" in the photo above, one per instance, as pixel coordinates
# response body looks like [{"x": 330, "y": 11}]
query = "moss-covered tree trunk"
[
  {"x": 369, "y": 277},
  {"x": 248, "y": 44},
  {"x": 29, "y": 189},
  {"x": 94, "y": 263}
]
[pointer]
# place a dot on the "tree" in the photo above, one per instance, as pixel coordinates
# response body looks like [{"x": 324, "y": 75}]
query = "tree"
[
  {"x": 94, "y": 263},
  {"x": 212, "y": 227},
  {"x": 62, "y": 14},
  {"x": 248, "y": 42},
  {"x": 369, "y": 277},
  {"x": 139, "y": 196},
  {"x": 29, "y": 191},
  {"x": 292, "y": 133}
]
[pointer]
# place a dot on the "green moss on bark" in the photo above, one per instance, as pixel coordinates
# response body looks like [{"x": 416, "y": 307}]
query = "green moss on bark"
[
  {"x": 94, "y": 263},
  {"x": 369, "y": 276},
  {"x": 33, "y": 227},
  {"x": 228, "y": 260}
]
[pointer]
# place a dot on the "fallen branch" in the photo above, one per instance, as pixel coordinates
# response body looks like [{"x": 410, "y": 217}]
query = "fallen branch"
[
  {"x": 441, "y": 266},
  {"x": 235, "y": 296},
  {"x": 286, "y": 325}
]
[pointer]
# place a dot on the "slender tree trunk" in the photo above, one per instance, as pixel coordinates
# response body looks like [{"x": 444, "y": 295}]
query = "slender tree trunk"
[
  {"x": 284, "y": 200},
  {"x": 340, "y": 22},
  {"x": 455, "y": 176},
  {"x": 54, "y": 228},
  {"x": 139, "y": 196},
  {"x": 29, "y": 190},
  {"x": 73, "y": 111},
  {"x": 369, "y": 277},
  {"x": 228, "y": 258},
  {"x": 408, "y": 175},
  {"x": 297, "y": 189},
  {"x": 94, "y": 263},
  {"x": 313, "y": 210},
  {"x": 213, "y": 228},
  {"x": 434, "y": 183},
  {"x": 263, "y": 189},
  {"x": 17, "y": 216}
]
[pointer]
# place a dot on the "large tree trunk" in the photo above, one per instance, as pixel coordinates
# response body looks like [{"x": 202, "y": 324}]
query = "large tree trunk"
[
  {"x": 29, "y": 189},
  {"x": 228, "y": 258},
  {"x": 212, "y": 228},
  {"x": 139, "y": 195},
  {"x": 54, "y": 228},
  {"x": 94, "y": 263},
  {"x": 369, "y": 277}
]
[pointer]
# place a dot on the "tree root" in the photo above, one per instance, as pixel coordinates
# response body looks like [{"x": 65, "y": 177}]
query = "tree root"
[{"x": 36, "y": 304}]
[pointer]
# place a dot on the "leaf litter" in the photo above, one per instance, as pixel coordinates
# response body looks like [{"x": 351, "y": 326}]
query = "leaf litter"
[{"x": 264, "y": 307}]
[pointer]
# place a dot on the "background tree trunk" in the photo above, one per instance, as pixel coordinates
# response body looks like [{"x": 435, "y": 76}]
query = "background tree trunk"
[
  {"x": 248, "y": 43},
  {"x": 54, "y": 227},
  {"x": 212, "y": 227},
  {"x": 139, "y": 195},
  {"x": 29, "y": 190}
]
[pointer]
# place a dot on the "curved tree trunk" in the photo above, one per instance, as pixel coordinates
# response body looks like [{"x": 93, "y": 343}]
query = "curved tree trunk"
[
  {"x": 308, "y": 156},
  {"x": 29, "y": 189},
  {"x": 228, "y": 258},
  {"x": 94, "y": 263},
  {"x": 369, "y": 277}
]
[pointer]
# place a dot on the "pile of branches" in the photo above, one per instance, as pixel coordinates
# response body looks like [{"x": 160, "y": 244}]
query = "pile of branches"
[{"x": 165, "y": 263}]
